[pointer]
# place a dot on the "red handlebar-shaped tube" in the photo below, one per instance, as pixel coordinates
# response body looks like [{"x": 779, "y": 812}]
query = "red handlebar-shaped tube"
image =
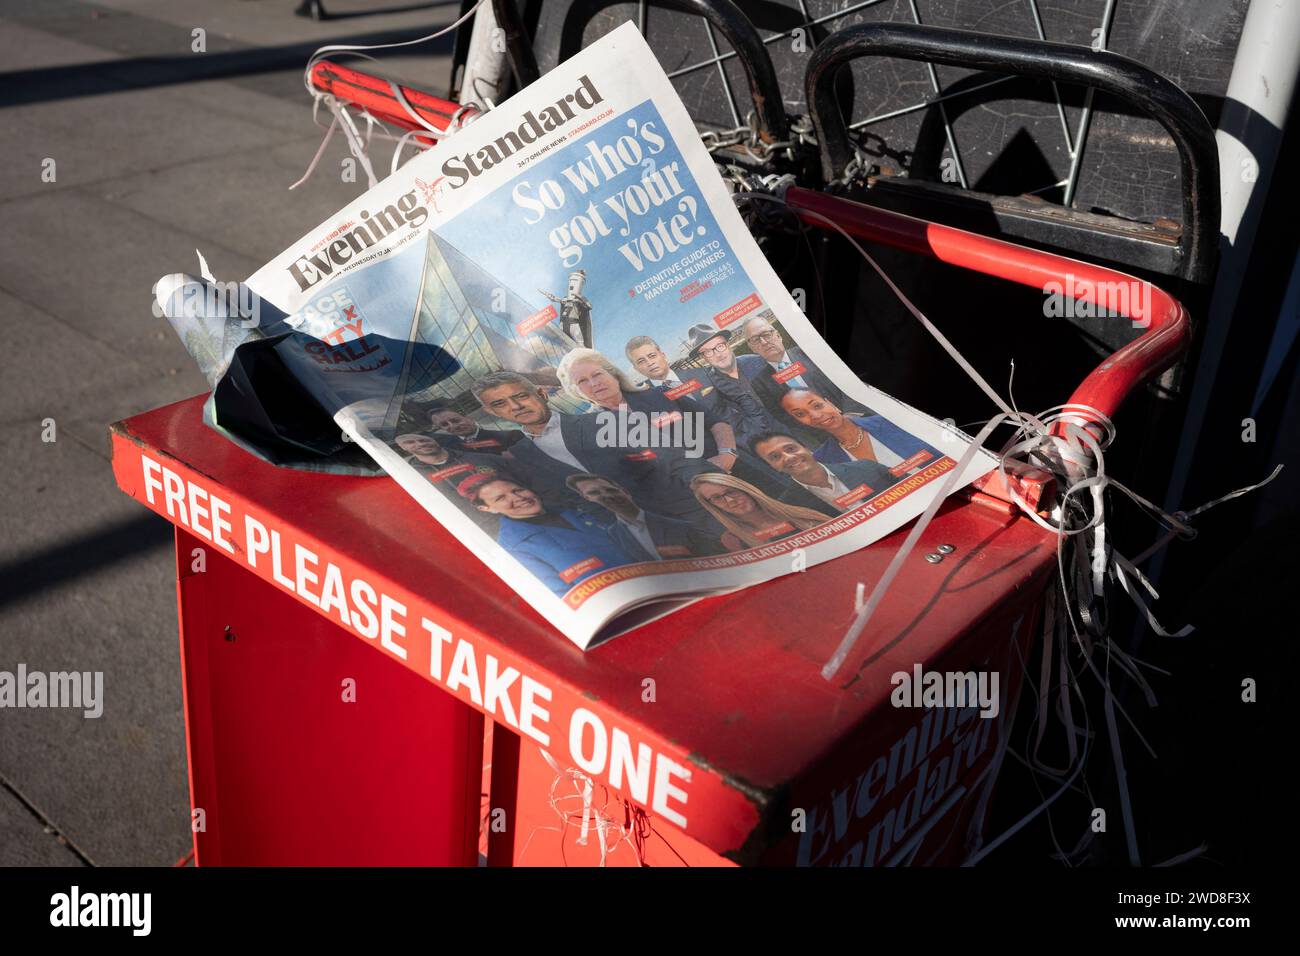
[
  {"x": 1167, "y": 325},
  {"x": 375, "y": 95},
  {"x": 1164, "y": 318}
]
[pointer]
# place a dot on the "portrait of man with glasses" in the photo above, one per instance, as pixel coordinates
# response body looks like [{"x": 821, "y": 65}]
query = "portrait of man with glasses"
[
  {"x": 780, "y": 368},
  {"x": 730, "y": 375}
]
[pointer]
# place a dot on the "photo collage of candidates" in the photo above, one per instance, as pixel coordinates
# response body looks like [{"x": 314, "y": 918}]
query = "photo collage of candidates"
[{"x": 740, "y": 441}]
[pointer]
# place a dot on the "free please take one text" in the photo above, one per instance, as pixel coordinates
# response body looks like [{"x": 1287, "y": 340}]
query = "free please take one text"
[{"x": 595, "y": 744}]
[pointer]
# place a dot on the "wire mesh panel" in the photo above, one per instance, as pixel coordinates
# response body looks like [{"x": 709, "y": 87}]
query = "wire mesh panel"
[{"x": 982, "y": 131}]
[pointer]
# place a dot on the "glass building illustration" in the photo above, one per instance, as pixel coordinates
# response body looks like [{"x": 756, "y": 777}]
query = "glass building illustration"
[{"x": 466, "y": 324}]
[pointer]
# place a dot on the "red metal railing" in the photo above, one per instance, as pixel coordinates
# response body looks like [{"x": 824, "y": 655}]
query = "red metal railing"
[
  {"x": 375, "y": 95},
  {"x": 1166, "y": 323}
]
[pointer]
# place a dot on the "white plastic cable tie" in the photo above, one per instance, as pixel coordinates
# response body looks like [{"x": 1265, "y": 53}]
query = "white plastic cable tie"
[
  {"x": 355, "y": 146},
  {"x": 1060, "y": 440},
  {"x": 320, "y": 150}
]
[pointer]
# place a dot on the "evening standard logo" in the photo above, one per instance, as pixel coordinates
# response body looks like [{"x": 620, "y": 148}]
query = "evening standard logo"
[
  {"x": 459, "y": 170},
  {"x": 884, "y": 808},
  {"x": 375, "y": 226},
  {"x": 77, "y": 690},
  {"x": 77, "y": 909},
  {"x": 307, "y": 270},
  {"x": 628, "y": 428},
  {"x": 946, "y": 689}
]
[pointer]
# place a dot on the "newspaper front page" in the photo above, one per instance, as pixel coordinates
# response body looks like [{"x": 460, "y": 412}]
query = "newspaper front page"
[{"x": 555, "y": 332}]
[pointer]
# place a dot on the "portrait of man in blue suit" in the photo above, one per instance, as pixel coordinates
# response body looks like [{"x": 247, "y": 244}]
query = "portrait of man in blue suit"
[
  {"x": 729, "y": 376},
  {"x": 557, "y": 444},
  {"x": 837, "y": 487},
  {"x": 643, "y": 534},
  {"x": 561, "y": 549}
]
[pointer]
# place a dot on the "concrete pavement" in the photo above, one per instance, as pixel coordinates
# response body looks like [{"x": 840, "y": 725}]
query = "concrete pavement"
[{"x": 157, "y": 151}]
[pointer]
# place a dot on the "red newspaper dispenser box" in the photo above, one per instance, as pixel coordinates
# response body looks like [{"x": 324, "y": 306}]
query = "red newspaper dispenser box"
[{"x": 340, "y": 649}]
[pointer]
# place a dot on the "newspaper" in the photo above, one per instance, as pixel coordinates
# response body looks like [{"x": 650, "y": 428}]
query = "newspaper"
[{"x": 555, "y": 332}]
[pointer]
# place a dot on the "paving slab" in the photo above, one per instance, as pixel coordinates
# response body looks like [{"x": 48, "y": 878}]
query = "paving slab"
[
  {"x": 41, "y": 379},
  {"x": 242, "y": 201},
  {"x": 96, "y": 262},
  {"x": 144, "y": 130},
  {"x": 26, "y": 841},
  {"x": 86, "y": 585},
  {"x": 261, "y": 49},
  {"x": 154, "y": 160},
  {"x": 159, "y": 152}
]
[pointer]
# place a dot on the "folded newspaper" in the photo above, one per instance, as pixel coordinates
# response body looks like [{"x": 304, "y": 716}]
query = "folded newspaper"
[{"x": 555, "y": 332}]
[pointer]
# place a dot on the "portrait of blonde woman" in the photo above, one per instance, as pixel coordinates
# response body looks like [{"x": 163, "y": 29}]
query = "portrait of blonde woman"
[
  {"x": 750, "y": 517},
  {"x": 588, "y": 376}
]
